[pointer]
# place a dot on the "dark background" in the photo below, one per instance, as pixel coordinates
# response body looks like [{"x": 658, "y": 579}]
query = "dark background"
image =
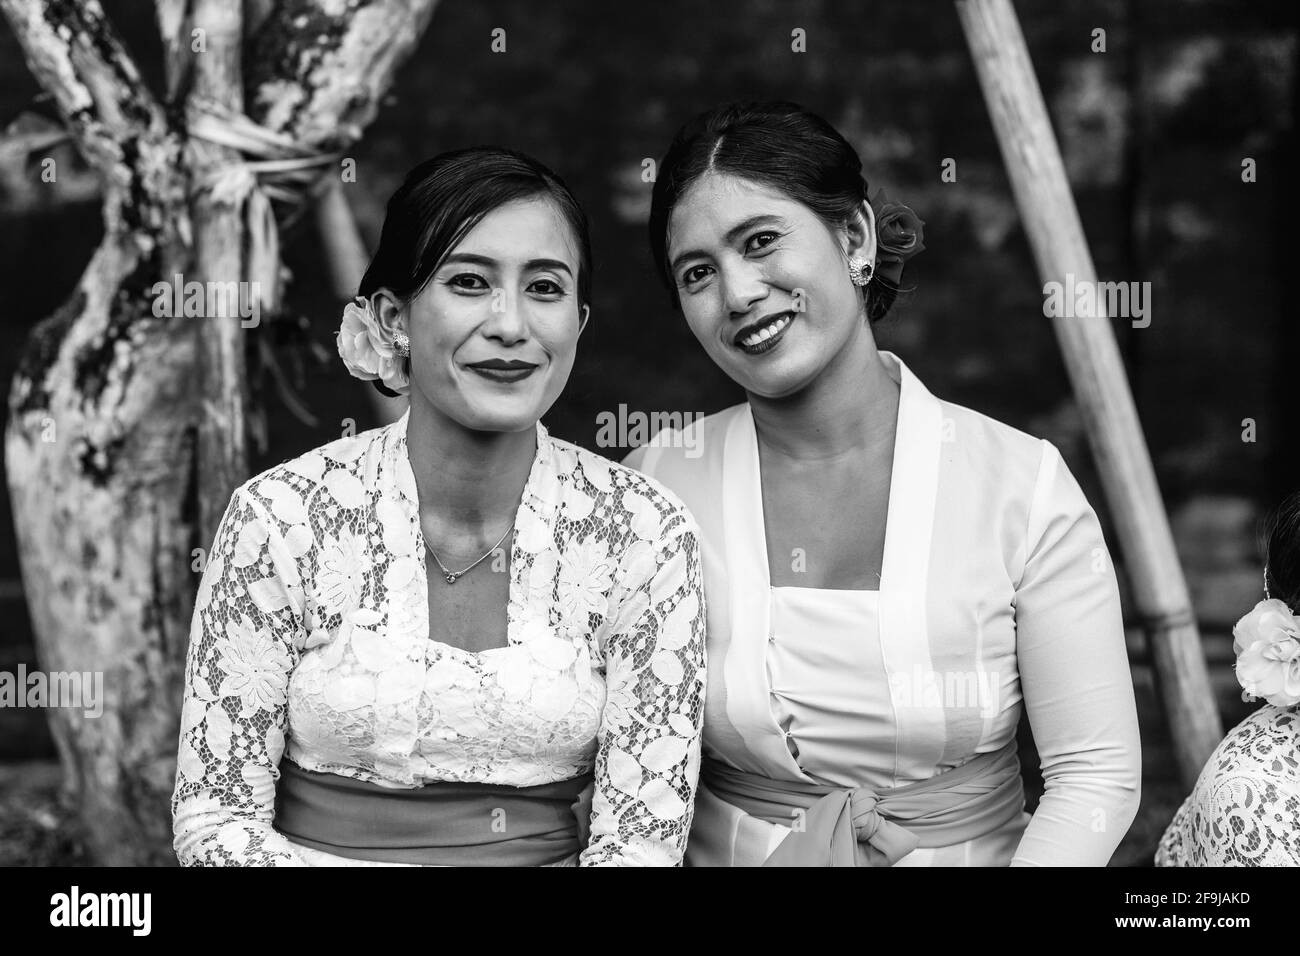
[{"x": 1154, "y": 131}]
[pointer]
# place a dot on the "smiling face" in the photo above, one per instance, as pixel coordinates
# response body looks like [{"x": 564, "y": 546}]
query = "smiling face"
[
  {"x": 495, "y": 329},
  {"x": 763, "y": 282}
]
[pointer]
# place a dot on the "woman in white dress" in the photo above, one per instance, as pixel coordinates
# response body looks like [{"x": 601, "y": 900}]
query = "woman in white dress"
[
  {"x": 1245, "y": 807},
  {"x": 890, "y": 577},
  {"x": 454, "y": 639}
]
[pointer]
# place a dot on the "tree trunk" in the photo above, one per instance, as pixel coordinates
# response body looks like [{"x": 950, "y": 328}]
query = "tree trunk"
[{"x": 126, "y": 429}]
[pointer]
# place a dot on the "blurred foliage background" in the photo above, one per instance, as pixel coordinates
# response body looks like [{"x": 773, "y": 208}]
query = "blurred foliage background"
[{"x": 1154, "y": 131}]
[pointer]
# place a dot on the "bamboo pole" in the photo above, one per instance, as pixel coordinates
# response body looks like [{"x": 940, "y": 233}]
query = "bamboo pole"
[
  {"x": 1096, "y": 372},
  {"x": 346, "y": 257}
]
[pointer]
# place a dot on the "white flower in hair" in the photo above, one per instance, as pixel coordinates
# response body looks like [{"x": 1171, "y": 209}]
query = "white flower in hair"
[
  {"x": 367, "y": 348},
  {"x": 1267, "y": 644}
]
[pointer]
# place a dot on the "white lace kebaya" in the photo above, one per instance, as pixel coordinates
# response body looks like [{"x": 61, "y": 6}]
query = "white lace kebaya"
[
  {"x": 1245, "y": 807},
  {"x": 310, "y": 641}
]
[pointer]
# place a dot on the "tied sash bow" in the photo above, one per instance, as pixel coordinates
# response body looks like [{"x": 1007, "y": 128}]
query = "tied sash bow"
[{"x": 841, "y": 826}]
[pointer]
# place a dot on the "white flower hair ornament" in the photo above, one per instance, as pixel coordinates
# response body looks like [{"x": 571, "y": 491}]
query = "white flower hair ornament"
[
  {"x": 369, "y": 351},
  {"x": 1267, "y": 644}
]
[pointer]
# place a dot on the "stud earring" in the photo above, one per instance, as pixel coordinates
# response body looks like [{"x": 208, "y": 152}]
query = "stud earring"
[
  {"x": 401, "y": 343},
  {"x": 860, "y": 270}
]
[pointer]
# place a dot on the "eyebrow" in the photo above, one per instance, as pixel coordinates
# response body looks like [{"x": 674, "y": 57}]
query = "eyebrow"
[
  {"x": 732, "y": 234},
  {"x": 470, "y": 258}
]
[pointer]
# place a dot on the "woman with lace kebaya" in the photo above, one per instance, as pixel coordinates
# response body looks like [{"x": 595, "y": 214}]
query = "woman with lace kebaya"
[
  {"x": 1245, "y": 807},
  {"x": 453, "y": 640}
]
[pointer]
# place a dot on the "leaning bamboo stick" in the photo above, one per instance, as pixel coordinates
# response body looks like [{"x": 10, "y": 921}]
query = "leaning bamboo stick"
[
  {"x": 346, "y": 257},
  {"x": 1096, "y": 372}
]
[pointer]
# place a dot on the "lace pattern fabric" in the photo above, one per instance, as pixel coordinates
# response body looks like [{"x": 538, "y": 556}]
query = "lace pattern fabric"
[
  {"x": 1245, "y": 808},
  {"x": 310, "y": 640}
]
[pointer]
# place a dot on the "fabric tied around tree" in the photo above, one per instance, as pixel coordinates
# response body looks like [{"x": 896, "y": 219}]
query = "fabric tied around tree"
[
  {"x": 272, "y": 167},
  {"x": 837, "y": 826},
  {"x": 439, "y": 824}
]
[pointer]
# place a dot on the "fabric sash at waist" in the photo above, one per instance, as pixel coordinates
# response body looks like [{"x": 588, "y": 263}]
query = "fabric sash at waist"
[
  {"x": 443, "y": 824},
  {"x": 837, "y": 826}
]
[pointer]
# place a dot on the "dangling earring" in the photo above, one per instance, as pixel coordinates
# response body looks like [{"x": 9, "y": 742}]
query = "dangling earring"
[
  {"x": 401, "y": 343},
  {"x": 860, "y": 270}
]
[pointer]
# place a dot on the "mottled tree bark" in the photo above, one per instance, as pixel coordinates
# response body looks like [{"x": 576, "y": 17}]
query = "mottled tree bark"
[{"x": 127, "y": 431}]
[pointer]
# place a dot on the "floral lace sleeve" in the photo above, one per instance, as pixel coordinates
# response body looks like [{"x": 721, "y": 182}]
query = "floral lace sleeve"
[
  {"x": 648, "y": 755},
  {"x": 244, "y": 643},
  {"x": 1246, "y": 803}
]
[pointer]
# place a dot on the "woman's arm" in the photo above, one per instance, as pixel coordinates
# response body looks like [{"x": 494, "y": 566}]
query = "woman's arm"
[
  {"x": 648, "y": 756},
  {"x": 1075, "y": 678},
  {"x": 243, "y": 647}
]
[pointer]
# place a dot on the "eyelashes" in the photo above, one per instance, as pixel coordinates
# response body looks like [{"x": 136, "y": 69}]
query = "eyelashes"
[
  {"x": 689, "y": 276},
  {"x": 555, "y": 288},
  {"x": 465, "y": 280},
  {"x": 473, "y": 283},
  {"x": 753, "y": 245}
]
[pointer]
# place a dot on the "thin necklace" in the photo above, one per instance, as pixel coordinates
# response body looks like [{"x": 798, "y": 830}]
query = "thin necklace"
[{"x": 451, "y": 576}]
